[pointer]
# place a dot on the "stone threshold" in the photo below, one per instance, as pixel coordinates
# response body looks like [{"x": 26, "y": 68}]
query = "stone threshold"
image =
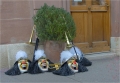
[{"x": 100, "y": 55}]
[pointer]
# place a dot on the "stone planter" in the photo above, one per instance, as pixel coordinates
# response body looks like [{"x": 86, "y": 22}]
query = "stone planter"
[{"x": 53, "y": 49}]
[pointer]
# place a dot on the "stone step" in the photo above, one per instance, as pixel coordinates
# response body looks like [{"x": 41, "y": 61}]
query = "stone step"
[
  {"x": 100, "y": 55},
  {"x": 8, "y": 52}
]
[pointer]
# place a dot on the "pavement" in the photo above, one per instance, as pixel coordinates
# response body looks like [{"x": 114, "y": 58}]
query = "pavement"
[{"x": 103, "y": 70}]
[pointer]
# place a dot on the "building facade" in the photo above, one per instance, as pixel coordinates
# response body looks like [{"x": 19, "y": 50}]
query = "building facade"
[{"x": 16, "y": 20}]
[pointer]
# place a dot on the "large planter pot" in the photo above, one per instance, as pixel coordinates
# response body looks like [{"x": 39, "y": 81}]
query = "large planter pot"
[{"x": 53, "y": 49}]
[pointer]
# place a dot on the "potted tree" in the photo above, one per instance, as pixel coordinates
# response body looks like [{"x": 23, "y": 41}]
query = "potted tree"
[{"x": 51, "y": 24}]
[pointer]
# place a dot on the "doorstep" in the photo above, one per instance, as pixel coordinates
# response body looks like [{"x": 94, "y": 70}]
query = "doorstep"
[{"x": 100, "y": 55}]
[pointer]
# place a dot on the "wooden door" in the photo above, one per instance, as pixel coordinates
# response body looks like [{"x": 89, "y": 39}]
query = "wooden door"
[{"x": 92, "y": 19}]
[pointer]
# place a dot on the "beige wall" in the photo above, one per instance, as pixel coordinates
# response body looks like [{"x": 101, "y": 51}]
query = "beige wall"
[
  {"x": 16, "y": 18},
  {"x": 115, "y": 26},
  {"x": 16, "y": 25},
  {"x": 115, "y": 18},
  {"x": 16, "y": 22}
]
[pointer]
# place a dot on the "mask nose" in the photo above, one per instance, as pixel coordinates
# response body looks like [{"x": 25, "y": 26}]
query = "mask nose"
[
  {"x": 43, "y": 61},
  {"x": 74, "y": 62},
  {"x": 23, "y": 62}
]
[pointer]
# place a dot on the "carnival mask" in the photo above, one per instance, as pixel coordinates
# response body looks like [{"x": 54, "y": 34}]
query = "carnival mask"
[
  {"x": 23, "y": 65},
  {"x": 43, "y": 64},
  {"x": 73, "y": 65}
]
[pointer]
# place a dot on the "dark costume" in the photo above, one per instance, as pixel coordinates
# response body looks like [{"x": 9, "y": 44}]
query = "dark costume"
[
  {"x": 40, "y": 63},
  {"x": 22, "y": 64},
  {"x": 78, "y": 56}
]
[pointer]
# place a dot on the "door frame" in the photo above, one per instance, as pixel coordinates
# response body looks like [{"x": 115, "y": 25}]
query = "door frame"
[{"x": 89, "y": 8}]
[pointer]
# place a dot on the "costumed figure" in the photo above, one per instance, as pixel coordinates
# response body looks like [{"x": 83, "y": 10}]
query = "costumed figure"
[
  {"x": 40, "y": 63},
  {"x": 69, "y": 65},
  {"x": 72, "y": 60},
  {"x": 81, "y": 59},
  {"x": 21, "y": 65},
  {"x": 77, "y": 53}
]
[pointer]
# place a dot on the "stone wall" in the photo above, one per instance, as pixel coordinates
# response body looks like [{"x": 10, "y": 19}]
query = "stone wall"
[
  {"x": 115, "y": 26},
  {"x": 16, "y": 25},
  {"x": 16, "y": 18},
  {"x": 16, "y": 21},
  {"x": 115, "y": 45}
]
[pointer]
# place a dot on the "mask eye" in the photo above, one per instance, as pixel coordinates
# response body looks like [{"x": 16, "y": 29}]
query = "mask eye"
[
  {"x": 69, "y": 61},
  {"x": 21, "y": 59},
  {"x": 40, "y": 60},
  {"x": 23, "y": 65}
]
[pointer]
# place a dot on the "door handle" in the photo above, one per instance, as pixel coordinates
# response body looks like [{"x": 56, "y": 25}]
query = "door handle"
[{"x": 107, "y": 6}]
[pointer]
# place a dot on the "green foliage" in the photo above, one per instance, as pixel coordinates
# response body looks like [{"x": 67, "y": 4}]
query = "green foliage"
[{"x": 52, "y": 23}]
